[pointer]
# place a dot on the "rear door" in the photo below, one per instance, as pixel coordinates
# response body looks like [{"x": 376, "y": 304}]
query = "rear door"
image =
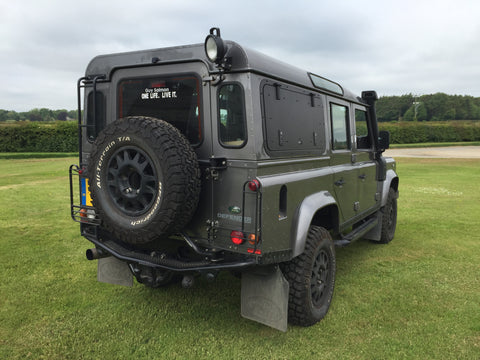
[{"x": 173, "y": 93}]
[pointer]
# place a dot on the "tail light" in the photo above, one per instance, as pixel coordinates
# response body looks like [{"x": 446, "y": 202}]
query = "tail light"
[
  {"x": 254, "y": 185},
  {"x": 252, "y": 239},
  {"x": 237, "y": 237}
]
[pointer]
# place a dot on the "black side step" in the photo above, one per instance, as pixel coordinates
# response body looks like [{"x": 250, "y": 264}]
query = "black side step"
[{"x": 357, "y": 233}]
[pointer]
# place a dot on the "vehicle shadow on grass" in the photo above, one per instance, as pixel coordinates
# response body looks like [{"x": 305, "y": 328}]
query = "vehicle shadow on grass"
[
  {"x": 217, "y": 304},
  {"x": 217, "y": 301}
]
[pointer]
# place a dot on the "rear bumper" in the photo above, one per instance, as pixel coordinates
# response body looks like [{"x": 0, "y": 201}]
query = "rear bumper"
[{"x": 155, "y": 260}]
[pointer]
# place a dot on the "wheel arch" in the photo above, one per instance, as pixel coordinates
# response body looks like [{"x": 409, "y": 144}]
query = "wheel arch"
[
  {"x": 318, "y": 209},
  {"x": 391, "y": 181}
]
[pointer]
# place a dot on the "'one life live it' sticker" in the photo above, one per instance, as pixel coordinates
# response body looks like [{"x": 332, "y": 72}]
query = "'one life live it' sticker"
[{"x": 158, "y": 93}]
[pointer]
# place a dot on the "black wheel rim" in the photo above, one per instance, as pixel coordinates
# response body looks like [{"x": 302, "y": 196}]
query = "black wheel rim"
[
  {"x": 132, "y": 181},
  {"x": 392, "y": 218},
  {"x": 320, "y": 278}
]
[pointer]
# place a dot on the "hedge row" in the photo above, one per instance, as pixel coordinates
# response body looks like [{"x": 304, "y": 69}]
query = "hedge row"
[
  {"x": 61, "y": 136},
  {"x": 422, "y": 132}
]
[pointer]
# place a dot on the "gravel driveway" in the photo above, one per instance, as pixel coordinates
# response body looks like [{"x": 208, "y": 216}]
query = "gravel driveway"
[{"x": 460, "y": 152}]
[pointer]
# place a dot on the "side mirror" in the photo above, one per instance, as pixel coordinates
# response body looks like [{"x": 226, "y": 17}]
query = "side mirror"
[{"x": 383, "y": 140}]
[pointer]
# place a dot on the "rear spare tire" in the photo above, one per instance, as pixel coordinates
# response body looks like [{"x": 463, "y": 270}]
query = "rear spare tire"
[{"x": 144, "y": 179}]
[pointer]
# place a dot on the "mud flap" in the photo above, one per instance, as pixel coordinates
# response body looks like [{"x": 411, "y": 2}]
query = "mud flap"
[
  {"x": 113, "y": 271},
  {"x": 376, "y": 233},
  {"x": 265, "y": 297}
]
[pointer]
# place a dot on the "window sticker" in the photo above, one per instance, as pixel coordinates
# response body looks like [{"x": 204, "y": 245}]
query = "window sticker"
[{"x": 158, "y": 93}]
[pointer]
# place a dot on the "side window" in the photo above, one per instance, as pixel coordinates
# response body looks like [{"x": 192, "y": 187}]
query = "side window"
[
  {"x": 95, "y": 122},
  {"x": 340, "y": 128},
  {"x": 363, "y": 139},
  {"x": 231, "y": 116}
]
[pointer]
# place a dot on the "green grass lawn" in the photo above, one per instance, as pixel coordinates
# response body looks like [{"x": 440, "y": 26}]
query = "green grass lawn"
[{"x": 416, "y": 298}]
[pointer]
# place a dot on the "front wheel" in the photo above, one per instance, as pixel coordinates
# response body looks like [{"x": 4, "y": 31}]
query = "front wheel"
[
  {"x": 311, "y": 277},
  {"x": 389, "y": 218}
]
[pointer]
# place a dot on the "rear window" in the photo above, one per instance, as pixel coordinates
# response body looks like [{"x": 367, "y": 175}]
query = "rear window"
[
  {"x": 95, "y": 121},
  {"x": 175, "y": 100},
  {"x": 232, "y": 127}
]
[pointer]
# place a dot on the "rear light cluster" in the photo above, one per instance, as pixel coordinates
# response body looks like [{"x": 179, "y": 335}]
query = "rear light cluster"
[
  {"x": 238, "y": 238},
  {"x": 84, "y": 213}
]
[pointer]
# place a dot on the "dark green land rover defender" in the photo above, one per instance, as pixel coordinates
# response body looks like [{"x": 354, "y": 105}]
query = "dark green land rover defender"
[{"x": 208, "y": 157}]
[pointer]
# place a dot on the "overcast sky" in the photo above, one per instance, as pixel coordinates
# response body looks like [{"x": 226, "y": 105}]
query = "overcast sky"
[{"x": 394, "y": 47}]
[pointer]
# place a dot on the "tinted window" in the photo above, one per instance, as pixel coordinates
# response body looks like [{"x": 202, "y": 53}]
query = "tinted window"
[
  {"x": 361, "y": 122},
  {"x": 95, "y": 123},
  {"x": 340, "y": 130},
  {"x": 172, "y": 99},
  {"x": 326, "y": 84},
  {"x": 231, "y": 116},
  {"x": 363, "y": 139}
]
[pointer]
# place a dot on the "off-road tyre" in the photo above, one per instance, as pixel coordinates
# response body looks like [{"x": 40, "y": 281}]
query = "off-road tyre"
[
  {"x": 144, "y": 179},
  {"x": 389, "y": 218},
  {"x": 311, "y": 277}
]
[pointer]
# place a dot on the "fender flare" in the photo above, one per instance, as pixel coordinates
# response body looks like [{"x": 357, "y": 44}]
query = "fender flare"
[
  {"x": 303, "y": 218},
  {"x": 390, "y": 181}
]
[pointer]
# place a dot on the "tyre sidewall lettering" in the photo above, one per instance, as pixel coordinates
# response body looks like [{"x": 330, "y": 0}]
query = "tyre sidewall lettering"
[
  {"x": 101, "y": 170},
  {"x": 104, "y": 155},
  {"x": 152, "y": 212}
]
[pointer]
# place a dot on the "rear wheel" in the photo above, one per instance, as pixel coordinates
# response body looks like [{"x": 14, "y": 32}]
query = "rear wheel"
[{"x": 311, "y": 277}]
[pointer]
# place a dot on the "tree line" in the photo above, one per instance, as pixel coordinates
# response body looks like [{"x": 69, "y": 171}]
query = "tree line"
[
  {"x": 433, "y": 107},
  {"x": 408, "y": 107},
  {"x": 42, "y": 114}
]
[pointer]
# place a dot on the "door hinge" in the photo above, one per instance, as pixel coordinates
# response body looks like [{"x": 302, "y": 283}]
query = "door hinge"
[
  {"x": 213, "y": 79},
  {"x": 215, "y": 165},
  {"x": 212, "y": 228}
]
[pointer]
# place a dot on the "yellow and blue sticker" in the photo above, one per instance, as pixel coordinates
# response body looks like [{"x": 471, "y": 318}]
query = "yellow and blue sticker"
[{"x": 85, "y": 191}]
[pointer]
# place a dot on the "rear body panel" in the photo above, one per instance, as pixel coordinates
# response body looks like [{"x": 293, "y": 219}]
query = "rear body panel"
[{"x": 287, "y": 145}]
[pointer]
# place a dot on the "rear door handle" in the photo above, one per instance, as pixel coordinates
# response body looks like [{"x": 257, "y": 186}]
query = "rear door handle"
[
  {"x": 363, "y": 176},
  {"x": 340, "y": 182}
]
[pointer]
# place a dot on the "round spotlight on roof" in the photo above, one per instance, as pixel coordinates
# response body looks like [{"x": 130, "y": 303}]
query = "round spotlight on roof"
[{"x": 215, "y": 48}]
